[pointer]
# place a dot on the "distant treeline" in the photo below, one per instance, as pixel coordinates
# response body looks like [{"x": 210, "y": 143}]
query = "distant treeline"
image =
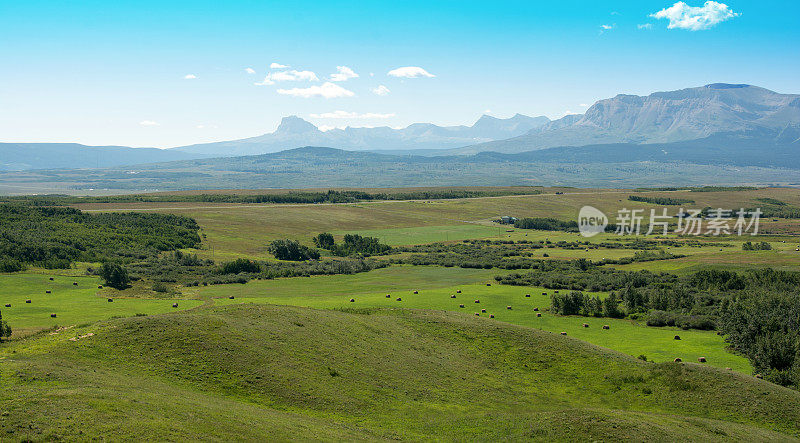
[
  {"x": 330, "y": 196},
  {"x": 701, "y": 188},
  {"x": 663, "y": 201},
  {"x": 54, "y": 237},
  {"x": 552, "y": 224}
]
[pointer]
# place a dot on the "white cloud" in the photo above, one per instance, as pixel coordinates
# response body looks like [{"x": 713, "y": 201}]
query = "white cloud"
[
  {"x": 645, "y": 26},
  {"x": 250, "y": 70},
  {"x": 695, "y": 18},
  {"x": 343, "y": 74},
  {"x": 288, "y": 76},
  {"x": 326, "y": 90},
  {"x": 190, "y": 76},
  {"x": 568, "y": 112},
  {"x": 410, "y": 72},
  {"x": 607, "y": 27},
  {"x": 149, "y": 123},
  {"x": 326, "y": 128},
  {"x": 351, "y": 115},
  {"x": 381, "y": 90},
  {"x": 274, "y": 65}
]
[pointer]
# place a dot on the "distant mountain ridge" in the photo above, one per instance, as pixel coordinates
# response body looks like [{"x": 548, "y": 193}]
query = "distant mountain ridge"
[
  {"x": 25, "y": 156},
  {"x": 661, "y": 117},
  {"x": 294, "y": 132}
]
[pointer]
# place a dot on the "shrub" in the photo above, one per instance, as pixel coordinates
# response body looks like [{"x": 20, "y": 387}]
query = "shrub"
[
  {"x": 324, "y": 240},
  {"x": 159, "y": 287},
  {"x": 240, "y": 265},
  {"x": 115, "y": 275},
  {"x": 292, "y": 250}
]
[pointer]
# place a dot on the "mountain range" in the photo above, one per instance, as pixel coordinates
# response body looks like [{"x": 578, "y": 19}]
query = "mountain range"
[
  {"x": 741, "y": 123},
  {"x": 294, "y": 132}
]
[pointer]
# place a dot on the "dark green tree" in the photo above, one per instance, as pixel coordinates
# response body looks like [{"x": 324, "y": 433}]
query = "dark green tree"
[
  {"x": 324, "y": 240},
  {"x": 115, "y": 275},
  {"x": 292, "y": 250}
]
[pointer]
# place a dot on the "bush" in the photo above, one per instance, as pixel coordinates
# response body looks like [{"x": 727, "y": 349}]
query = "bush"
[
  {"x": 115, "y": 275},
  {"x": 324, "y": 240},
  {"x": 292, "y": 250},
  {"x": 5, "y": 329},
  {"x": 240, "y": 265},
  {"x": 159, "y": 287}
]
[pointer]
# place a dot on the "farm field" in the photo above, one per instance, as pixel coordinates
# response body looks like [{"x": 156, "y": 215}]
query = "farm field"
[{"x": 437, "y": 285}]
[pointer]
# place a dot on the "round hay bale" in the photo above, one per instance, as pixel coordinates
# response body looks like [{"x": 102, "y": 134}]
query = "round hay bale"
[
  {"x": 678, "y": 360},
  {"x": 352, "y": 300},
  {"x": 74, "y": 283},
  {"x": 538, "y": 314},
  {"x": 47, "y": 292},
  {"x": 478, "y": 314},
  {"x": 606, "y": 327},
  {"x": 28, "y": 301},
  {"x": 399, "y": 299},
  {"x": 483, "y": 311},
  {"x": 458, "y": 291},
  {"x": 230, "y": 297},
  {"x": 51, "y": 278},
  {"x": 544, "y": 293},
  {"x": 174, "y": 305},
  {"x": 488, "y": 284},
  {"x": 701, "y": 359},
  {"x": 491, "y": 315},
  {"x": 100, "y": 287},
  {"x": 508, "y": 307},
  {"x": 563, "y": 333},
  {"x": 586, "y": 325},
  {"x": 8, "y": 305},
  {"x": 677, "y": 337},
  {"x": 527, "y": 296},
  {"x": 52, "y": 316},
  {"x": 453, "y": 296},
  {"x": 535, "y": 309},
  {"x": 110, "y": 300},
  {"x": 477, "y": 301},
  {"x": 555, "y": 292},
  {"x": 460, "y": 306},
  {"x": 416, "y": 292}
]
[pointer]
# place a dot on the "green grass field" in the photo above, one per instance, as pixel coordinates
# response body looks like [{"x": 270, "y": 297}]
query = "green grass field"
[
  {"x": 436, "y": 285},
  {"x": 260, "y": 372},
  {"x": 73, "y": 305}
]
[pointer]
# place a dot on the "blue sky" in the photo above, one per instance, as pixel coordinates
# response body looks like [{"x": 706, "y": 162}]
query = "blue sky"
[{"x": 102, "y": 72}]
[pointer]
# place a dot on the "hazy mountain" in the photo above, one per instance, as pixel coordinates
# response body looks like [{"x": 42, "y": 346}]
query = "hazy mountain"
[
  {"x": 662, "y": 117},
  {"x": 24, "y": 156},
  {"x": 294, "y": 132}
]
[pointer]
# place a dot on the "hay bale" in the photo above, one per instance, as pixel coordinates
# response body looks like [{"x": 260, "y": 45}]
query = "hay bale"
[
  {"x": 100, "y": 287},
  {"x": 491, "y": 315},
  {"x": 8, "y": 305},
  {"x": 483, "y": 311},
  {"x": 388, "y": 295},
  {"x": 678, "y": 360},
  {"x": 416, "y": 292},
  {"x": 508, "y": 307},
  {"x": 28, "y": 301},
  {"x": 48, "y": 292},
  {"x": 527, "y": 296},
  {"x": 399, "y": 299},
  {"x": 74, "y": 283},
  {"x": 701, "y": 359},
  {"x": 352, "y": 300},
  {"x": 174, "y": 305},
  {"x": 677, "y": 337},
  {"x": 478, "y": 314},
  {"x": 488, "y": 284},
  {"x": 477, "y": 301},
  {"x": 606, "y": 327},
  {"x": 453, "y": 296},
  {"x": 230, "y": 297},
  {"x": 52, "y": 316},
  {"x": 586, "y": 325},
  {"x": 544, "y": 293},
  {"x": 110, "y": 300},
  {"x": 460, "y": 306},
  {"x": 538, "y": 314},
  {"x": 458, "y": 291},
  {"x": 535, "y": 309},
  {"x": 728, "y": 369},
  {"x": 555, "y": 292},
  {"x": 563, "y": 333},
  {"x": 51, "y": 278}
]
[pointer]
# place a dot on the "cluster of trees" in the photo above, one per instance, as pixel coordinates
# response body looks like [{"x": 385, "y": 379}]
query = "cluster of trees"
[
  {"x": 765, "y": 327},
  {"x": 239, "y": 266},
  {"x": 330, "y": 196},
  {"x": 578, "y": 303},
  {"x": 5, "y": 329},
  {"x": 287, "y": 249},
  {"x": 761, "y": 246},
  {"x": 352, "y": 244},
  {"x": 54, "y": 237},
  {"x": 546, "y": 224},
  {"x": 663, "y": 201},
  {"x": 115, "y": 275}
]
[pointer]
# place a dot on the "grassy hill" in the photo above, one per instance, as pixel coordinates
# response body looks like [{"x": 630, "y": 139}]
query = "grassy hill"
[{"x": 260, "y": 371}]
